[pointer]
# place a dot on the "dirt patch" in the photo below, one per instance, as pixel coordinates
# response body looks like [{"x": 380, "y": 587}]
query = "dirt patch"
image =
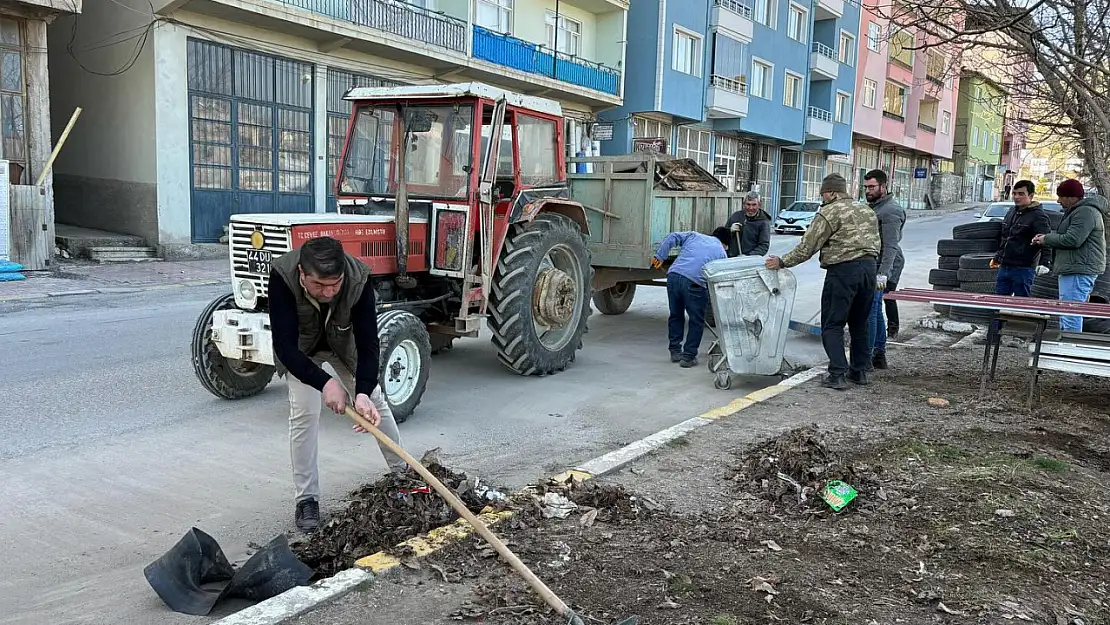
[{"x": 397, "y": 507}]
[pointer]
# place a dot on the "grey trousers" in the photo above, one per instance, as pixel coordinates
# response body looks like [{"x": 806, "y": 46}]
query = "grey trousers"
[{"x": 305, "y": 404}]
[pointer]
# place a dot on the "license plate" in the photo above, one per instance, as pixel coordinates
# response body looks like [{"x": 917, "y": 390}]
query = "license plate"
[{"x": 258, "y": 261}]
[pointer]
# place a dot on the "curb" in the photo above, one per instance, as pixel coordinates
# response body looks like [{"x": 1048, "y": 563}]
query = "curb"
[
  {"x": 301, "y": 599},
  {"x": 107, "y": 290}
]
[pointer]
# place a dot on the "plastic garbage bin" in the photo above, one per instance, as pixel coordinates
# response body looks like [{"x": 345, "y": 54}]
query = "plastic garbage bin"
[{"x": 752, "y": 306}]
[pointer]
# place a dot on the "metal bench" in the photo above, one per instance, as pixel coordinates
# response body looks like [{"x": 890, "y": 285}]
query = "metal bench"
[{"x": 1085, "y": 354}]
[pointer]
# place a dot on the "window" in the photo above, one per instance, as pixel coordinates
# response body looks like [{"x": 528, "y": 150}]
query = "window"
[
  {"x": 792, "y": 90},
  {"x": 686, "y": 52},
  {"x": 567, "y": 38},
  {"x": 901, "y": 48},
  {"x": 496, "y": 15},
  {"x": 934, "y": 66},
  {"x": 725, "y": 156},
  {"x": 869, "y": 89},
  {"x": 644, "y": 128},
  {"x": 797, "y": 26},
  {"x": 13, "y": 95},
  {"x": 975, "y": 136},
  {"x": 765, "y": 11},
  {"x": 874, "y": 34},
  {"x": 813, "y": 170},
  {"x": 538, "y": 161},
  {"x": 847, "y": 52},
  {"x": 693, "y": 143},
  {"x": 843, "y": 108},
  {"x": 945, "y": 122},
  {"x": 765, "y": 169},
  {"x": 894, "y": 101},
  {"x": 762, "y": 85}
]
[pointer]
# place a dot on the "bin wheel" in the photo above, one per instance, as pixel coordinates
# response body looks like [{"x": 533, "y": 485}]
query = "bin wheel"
[{"x": 723, "y": 381}]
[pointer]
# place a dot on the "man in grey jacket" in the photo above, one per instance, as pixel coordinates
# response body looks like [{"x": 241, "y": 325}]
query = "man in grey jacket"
[
  {"x": 750, "y": 229},
  {"x": 891, "y": 261},
  {"x": 1080, "y": 247}
]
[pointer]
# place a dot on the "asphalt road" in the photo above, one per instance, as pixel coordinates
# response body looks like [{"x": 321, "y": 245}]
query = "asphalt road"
[{"x": 111, "y": 450}]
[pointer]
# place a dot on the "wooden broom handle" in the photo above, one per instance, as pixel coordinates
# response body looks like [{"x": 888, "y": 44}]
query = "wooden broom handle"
[{"x": 453, "y": 500}]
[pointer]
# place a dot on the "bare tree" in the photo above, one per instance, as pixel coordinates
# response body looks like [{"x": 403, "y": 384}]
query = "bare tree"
[{"x": 1051, "y": 58}]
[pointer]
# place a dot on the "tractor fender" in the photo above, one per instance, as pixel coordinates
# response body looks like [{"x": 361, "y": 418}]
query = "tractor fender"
[{"x": 567, "y": 208}]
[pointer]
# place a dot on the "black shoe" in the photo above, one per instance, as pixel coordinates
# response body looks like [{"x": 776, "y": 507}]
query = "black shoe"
[
  {"x": 835, "y": 382},
  {"x": 879, "y": 360},
  {"x": 308, "y": 515},
  {"x": 892, "y": 331},
  {"x": 676, "y": 357},
  {"x": 686, "y": 364},
  {"x": 861, "y": 378}
]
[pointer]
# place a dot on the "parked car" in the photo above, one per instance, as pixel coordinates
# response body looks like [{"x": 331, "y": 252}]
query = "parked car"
[
  {"x": 797, "y": 217},
  {"x": 996, "y": 211}
]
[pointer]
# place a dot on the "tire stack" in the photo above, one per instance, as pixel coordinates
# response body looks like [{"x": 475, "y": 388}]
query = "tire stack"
[{"x": 964, "y": 265}]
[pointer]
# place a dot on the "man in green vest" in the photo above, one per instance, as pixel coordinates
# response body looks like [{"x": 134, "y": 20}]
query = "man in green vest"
[{"x": 322, "y": 310}]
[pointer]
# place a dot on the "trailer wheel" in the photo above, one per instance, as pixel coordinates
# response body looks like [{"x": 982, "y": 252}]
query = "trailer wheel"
[
  {"x": 540, "y": 300},
  {"x": 404, "y": 362},
  {"x": 226, "y": 378},
  {"x": 615, "y": 300}
]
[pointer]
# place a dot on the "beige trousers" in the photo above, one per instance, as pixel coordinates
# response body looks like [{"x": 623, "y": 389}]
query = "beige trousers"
[{"x": 305, "y": 404}]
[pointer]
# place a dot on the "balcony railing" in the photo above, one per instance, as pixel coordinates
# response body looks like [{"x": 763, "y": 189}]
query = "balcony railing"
[
  {"x": 541, "y": 60},
  {"x": 894, "y": 116},
  {"x": 738, "y": 8},
  {"x": 824, "y": 50},
  {"x": 395, "y": 17},
  {"x": 821, "y": 114},
  {"x": 728, "y": 84},
  {"x": 927, "y": 128}
]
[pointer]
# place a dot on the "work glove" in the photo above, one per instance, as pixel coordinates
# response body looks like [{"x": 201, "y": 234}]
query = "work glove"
[
  {"x": 995, "y": 264},
  {"x": 1042, "y": 270},
  {"x": 880, "y": 282},
  {"x": 736, "y": 227},
  {"x": 656, "y": 263}
]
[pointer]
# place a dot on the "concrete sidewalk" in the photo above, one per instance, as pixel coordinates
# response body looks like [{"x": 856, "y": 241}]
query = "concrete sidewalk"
[{"x": 84, "y": 278}]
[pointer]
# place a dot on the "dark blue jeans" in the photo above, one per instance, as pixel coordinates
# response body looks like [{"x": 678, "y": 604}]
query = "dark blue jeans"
[
  {"x": 687, "y": 299},
  {"x": 1016, "y": 281}
]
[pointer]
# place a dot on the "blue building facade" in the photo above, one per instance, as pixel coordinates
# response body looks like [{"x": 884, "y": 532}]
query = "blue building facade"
[{"x": 760, "y": 92}]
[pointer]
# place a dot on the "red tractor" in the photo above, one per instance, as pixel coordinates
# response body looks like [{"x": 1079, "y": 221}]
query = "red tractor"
[{"x": 456, "y": 197}]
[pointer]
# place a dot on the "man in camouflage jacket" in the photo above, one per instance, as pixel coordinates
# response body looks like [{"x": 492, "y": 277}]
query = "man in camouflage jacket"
[{"x": 846, "y": 233}]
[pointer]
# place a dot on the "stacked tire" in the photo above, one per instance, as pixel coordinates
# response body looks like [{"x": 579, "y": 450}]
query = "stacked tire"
[{"x": 964, "y": 265}]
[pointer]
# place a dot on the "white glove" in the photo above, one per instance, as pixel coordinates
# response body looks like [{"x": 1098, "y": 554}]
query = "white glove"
[
  {"x": 1042, "y": 270},
  {"x": 736, "y": 227},
  {"x": 880, "y": 282}
]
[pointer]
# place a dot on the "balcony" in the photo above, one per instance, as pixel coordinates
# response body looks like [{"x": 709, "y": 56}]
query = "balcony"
[
  {"x": 535, "y": 59},
  {"x": 823, "y": 62},
  {"x": 828, "y": 9},
  {"x": 927, "y": 128},
  {"x": 819, "y": 125},
  {"x": 733, "y": 17},
  {"x": 727, "y": 98}
]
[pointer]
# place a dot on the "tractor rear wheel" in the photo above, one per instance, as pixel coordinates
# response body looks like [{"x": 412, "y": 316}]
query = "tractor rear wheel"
[
  {"x": 540, "y": 300},
  {"x": 615, "y": 300},
  {"x": 403, "y": 365},
  {"x": 226, "y": 378}
]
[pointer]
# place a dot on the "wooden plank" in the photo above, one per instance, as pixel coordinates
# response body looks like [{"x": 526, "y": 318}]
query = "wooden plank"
[{"x": 30, "y": 229}]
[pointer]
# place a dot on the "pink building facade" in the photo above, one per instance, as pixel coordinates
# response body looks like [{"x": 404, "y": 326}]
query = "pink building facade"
[{"x": 905, "y": 109}]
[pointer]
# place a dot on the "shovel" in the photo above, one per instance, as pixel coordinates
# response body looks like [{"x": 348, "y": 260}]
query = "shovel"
[{"x": 549, "y": 597}]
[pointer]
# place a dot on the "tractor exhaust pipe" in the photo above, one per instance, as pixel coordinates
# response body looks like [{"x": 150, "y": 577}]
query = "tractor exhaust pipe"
[{"x": 401, "y": 210}]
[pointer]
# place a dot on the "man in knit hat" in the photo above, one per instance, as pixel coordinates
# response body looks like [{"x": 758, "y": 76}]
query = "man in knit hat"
[
  {"x": 846, "y": 233},
  {"x": 1079, "y": 246}
]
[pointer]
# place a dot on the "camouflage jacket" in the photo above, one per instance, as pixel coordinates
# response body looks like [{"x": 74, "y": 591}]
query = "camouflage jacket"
[{"x": 843, "y": 230}]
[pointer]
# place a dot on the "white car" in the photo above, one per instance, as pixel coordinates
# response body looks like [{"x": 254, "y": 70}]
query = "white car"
[
  {"x": 797, "y": 217},
  {"x": 996, "y": 211}
]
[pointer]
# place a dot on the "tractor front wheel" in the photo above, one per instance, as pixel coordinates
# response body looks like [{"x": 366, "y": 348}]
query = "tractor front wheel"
[
  {"x": 224, "y": 377},
  {"x": 403, "y": 365},
  {"x": 615, "y": 300},
  {"x": 540, "y": 299}
]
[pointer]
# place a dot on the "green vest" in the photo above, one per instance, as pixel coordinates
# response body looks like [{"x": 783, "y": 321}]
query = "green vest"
[{"x": 337, "y": 327}]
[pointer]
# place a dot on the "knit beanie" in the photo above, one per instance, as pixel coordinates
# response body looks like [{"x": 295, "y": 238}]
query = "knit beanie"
[
  {"x": 834, "y": 183},
  {"x": 1071, "y": 188}
]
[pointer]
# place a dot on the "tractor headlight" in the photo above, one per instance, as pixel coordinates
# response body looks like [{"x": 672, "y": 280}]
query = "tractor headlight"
[{"x": 247, "y": 293}]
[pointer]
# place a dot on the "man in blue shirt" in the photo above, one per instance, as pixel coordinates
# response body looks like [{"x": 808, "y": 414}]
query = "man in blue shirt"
[{"x": 687, "y": 292}]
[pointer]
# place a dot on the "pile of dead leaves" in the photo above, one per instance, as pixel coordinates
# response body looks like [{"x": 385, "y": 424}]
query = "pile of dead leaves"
[
  {"x": 382, "y": 514},
  {"x": 792, "y": 469}
]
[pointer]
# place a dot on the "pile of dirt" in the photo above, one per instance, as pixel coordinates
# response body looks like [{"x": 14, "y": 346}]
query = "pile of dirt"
[
  {"x": 792, "y": 469},
  {"x": 397, "y": 507}
]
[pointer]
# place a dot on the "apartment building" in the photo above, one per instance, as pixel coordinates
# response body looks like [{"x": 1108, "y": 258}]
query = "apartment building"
[
  {"x": 980, "y": 123},
  {"x": 759, "y": 93},
  {"x": 905, "y": 108},
  {"x": 213, "y": 107}
]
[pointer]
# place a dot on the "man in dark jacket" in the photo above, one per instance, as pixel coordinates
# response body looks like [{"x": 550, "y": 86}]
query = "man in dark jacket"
[
  {"x": 1079, "y": 246},
  {"x": 322, "y": 310},
  {"x": 752, "y": 227},
  {"x": 891, "y": 219},
  {"x": 1017, "y": 256}
]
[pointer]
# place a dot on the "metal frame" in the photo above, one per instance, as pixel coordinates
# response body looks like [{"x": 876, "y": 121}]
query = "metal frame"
[
  {"x": 998, "y": 325},
  {"x": 1007, "y": 303}
]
